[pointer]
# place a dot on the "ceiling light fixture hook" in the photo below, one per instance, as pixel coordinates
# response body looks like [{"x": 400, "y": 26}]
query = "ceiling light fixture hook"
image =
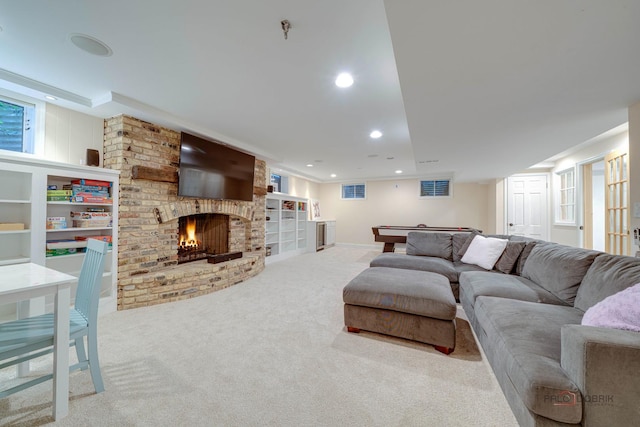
[{"x": 286, "y": 25}]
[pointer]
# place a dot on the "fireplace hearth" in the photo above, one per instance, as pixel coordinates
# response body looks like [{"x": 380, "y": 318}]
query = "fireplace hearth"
[{"x": 215, "y": 259}]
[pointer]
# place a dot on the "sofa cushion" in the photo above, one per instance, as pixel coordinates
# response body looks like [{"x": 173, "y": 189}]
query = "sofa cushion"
[
  {"x": 618, "y": 311},
  {"x": 529, "y": 245},
  {"x": 429, "y": 244},
  {"x": 423, "y": 263},
  {"x": 461, "y": 242},
  {"x": 607, "y": 275},
  {"x": 462, "y": 267},
  {"x": 523, "y": 257},
  {"x": 507, "y": 261},
  {"x": 484, "y": 251},
  {"x": 499, "y": 236},
  {"x": 558, "y": 268},
  {"x": 518, "y": 238},
  {"x": 464, "y": 245},
  {"x": 474, "y": 284},
  {"x": 524, "y": 341}
]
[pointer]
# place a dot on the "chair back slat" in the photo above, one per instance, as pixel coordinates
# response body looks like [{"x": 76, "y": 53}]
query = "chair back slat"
[{"x": 89, "y": 281}]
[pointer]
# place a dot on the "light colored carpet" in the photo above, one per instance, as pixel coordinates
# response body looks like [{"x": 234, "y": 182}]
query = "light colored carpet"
[{"x": 272, "y": 351}]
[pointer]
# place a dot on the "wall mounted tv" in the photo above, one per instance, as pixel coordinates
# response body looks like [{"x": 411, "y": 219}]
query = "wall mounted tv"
[{"x": 209, "y": 170}]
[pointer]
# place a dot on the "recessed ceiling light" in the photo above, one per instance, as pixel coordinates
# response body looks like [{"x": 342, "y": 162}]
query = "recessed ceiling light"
[
  {"x": 333, "y": 175},
  {"x": 344, "y": 80},
  {"x": 309, "y": 165},
  {"x": 50, "y": 98},
  {"x": 390, "y": 158},
  {"x": 90, "y": 44},
  {"x": 375, "y": 134},
  {"x": 398, "y": 171}
]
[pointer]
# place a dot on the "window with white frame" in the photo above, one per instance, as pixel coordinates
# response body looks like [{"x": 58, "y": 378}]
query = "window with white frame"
[
  {"x": 279, "y": 182},
  {"x": 354, "y": 191},
  {"x": 566, "y": 197},
  {"x": 435, "y": 188},
  {"x": 275, "y": 181},
  {"x": 21, "y": 124}
]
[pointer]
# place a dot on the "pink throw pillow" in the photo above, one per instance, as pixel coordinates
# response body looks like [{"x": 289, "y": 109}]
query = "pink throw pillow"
[{"x": 617, "y": 311}]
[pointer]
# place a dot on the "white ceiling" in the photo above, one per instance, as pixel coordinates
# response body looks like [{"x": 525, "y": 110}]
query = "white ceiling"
[{"x": 472, "y": 89}]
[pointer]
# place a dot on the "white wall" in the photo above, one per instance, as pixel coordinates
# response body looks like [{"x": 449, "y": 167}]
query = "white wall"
[
  {"x": 68, "y": 135},
  {"x": 495, "y": 207},
  {"x": 301, "y": 187},
  {"x": 397, "y": 202},
  {"x": 598, "y": 205},
  {"x": 570, "y": 234}
]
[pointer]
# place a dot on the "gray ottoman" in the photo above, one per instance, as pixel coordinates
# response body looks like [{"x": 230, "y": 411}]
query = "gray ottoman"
[{"x": 411, "y": 304}]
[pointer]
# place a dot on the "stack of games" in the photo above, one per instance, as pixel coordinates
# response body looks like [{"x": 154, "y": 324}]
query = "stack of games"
[
  {"x": 90, "y": 191},
  {"x": 91, "y": 219},
  {"x": 107, "y": 239},
  {"x": 55, "y": 195},
  {"x": 65, "y": 247}
]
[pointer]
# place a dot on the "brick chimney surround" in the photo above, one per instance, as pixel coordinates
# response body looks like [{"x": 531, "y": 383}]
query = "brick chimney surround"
[{"x": 148, "y": 270}]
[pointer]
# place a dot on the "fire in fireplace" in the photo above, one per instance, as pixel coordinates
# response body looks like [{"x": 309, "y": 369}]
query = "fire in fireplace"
[
  {"x": 188, "y": 238},
  {"x": 202, "y": 235}
]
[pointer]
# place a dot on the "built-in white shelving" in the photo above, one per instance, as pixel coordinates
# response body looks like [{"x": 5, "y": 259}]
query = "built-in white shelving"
[
  {"x": 285, "y": 226},
  {"x": 23, "y": 203}
]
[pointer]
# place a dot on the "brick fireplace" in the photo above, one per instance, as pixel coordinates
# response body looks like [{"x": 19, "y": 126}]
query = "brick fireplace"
[{"x": 150, "y": 213}]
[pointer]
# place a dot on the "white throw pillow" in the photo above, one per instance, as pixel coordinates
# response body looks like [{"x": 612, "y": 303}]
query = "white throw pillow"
[{"x": 484, "y": 251}]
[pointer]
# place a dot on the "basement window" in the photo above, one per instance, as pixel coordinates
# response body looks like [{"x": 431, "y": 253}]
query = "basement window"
[
  {"x": 566, "y": 197},
  {"x": 21, "y": 129},
  {"x": 280, "y": 183},
  {"x": 353, "y": 192},
  {"x": 435, "y": 188}
]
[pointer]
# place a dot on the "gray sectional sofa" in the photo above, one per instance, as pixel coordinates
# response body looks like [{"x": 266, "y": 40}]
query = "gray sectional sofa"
[{"x": 527, "y": 313}]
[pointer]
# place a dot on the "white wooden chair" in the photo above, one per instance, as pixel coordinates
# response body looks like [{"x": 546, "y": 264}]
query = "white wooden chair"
[{"x": 26, "y": 339}]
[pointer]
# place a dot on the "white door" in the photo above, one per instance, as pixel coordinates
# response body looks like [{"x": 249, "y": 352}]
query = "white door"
[
  {"x": 617, "y": 203},
  {"x": 527, "y": 211}
]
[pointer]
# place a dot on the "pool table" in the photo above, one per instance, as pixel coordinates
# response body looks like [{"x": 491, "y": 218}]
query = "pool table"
[{"x": 392, "y": 234}]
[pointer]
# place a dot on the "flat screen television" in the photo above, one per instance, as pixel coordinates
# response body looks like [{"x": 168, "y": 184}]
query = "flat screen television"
[{"x": 209, "y": 170}]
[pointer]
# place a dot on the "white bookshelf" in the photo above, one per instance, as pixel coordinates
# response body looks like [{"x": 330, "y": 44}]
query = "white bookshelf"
[
  {"x": 285, "y": 226},
  {"x": 23, "y": 200}
]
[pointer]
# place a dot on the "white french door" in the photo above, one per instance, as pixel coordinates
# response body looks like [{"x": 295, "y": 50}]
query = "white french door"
[
  {"x": 617, "y": 240},
  {"x": 527, "y": 206}
]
